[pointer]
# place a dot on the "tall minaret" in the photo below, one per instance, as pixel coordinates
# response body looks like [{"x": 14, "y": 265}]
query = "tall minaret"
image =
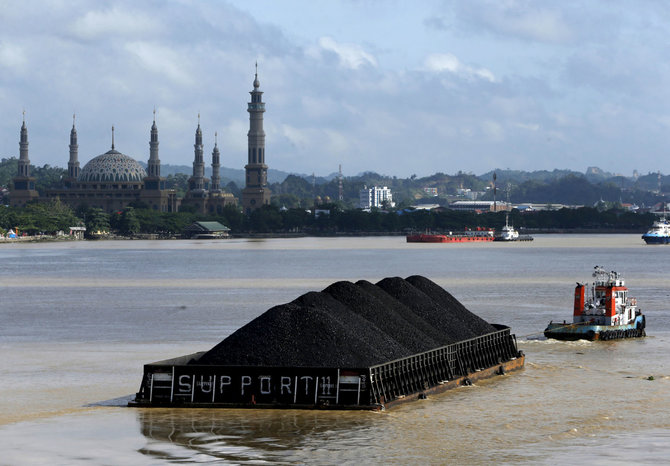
[
  {"x": 73, "y": 164},
  {"x": 23, "y": 184},
  {"x": 154, "y": 165},
  {"x": 256, "y": 192},
  {"x": 154, "y": 193},
  {"x": 216, "y": 167},
  {"x": 197, "y": 181},
  {"x": 24, "y": 161}
]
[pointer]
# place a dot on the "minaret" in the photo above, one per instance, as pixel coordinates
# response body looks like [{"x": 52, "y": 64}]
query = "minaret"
[
  {"x": 216, "y": 167},
  {"x": 24, "y": 161},
  {"x": 256, "y": 193},
  {"x": 154, "y": 165},
  {"x": 154, "y": 193},
  {"x": 197, "y": 181},
  {"x": 73, "y": 164},
  {"x": 24, "y": 185}
]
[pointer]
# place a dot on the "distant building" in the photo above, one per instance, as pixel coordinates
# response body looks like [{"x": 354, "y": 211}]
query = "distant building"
[
  {"x": 430, "y": 191},
  {"x": 375, "y": 197},
  {"x": 469, "y": 194},
  {"x": 479, "y": 206},
  {"x": 427, "y": 207},
  {"x": 533, "y": 207},
  {"x": 113, "y": 180},
  {"x": 206, "y": 230}
]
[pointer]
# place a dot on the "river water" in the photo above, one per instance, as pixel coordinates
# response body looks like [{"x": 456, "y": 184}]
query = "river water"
[{"x": 79, "y": 320}]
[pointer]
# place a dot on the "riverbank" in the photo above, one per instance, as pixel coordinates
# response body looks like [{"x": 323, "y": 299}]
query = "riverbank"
[{"x": 338, "y": 234}]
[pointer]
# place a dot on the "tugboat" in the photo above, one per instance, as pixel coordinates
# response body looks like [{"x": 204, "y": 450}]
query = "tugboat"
[
  {"x": 606, "y": 313},
  {"x": 509, "y": 233},
  {"x": 659, "y": 232}
]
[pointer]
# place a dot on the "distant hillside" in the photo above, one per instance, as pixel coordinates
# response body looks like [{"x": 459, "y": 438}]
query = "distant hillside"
[
  {"x": 519, "y": 176},
  {"x": 235, "y": 175},
  {"x": 593, "y": 175},
  {"x": 292, "y": 190}
]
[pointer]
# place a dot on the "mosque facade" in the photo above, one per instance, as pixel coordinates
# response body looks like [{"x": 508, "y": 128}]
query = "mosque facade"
[{"x": 113, "y": 180}]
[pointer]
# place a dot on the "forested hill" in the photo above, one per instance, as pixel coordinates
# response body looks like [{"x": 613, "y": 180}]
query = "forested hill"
[{"x": 291, "y": 190}]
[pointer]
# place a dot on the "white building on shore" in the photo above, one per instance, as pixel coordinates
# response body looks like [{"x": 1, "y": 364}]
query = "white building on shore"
[{"x": 375, "y": 197}]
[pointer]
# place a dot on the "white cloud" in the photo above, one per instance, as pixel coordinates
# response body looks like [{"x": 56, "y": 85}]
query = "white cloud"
[
  {"x": 439, "y": 62},
  {"x": 114, "y": 24},
  {"x": 528, "y": 126},
  {"x": 493, "y": 130},
  {"x": 547, "y": 26},
  {"x": 11, "y": 56},
  {"x": 320, "y": 107},
  {"x": 521, "y": 18},
  {"x": 162, "y": 60},
  {"x": 350, "y": 55},
  {"x": 298, "y": 138},
  {"x": 327, "y": 143}
]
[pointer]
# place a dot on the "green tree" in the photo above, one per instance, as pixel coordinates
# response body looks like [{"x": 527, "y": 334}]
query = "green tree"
[
  {"x": 97, "y": 221},
  {"x": 127, "y": 222}
]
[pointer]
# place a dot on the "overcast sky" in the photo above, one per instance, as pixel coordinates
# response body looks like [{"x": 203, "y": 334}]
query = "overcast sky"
[{"x": 395, "y": 87}]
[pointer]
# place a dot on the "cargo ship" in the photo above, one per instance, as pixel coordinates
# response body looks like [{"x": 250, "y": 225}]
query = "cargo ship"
[
  {"x": 468, "y": 236},
  {"x": 602, "y": 311},
  {"x": 352, "y": 346}
]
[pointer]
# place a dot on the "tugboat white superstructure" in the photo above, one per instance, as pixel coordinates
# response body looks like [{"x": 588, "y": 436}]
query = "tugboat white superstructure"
[
  {"x": 509, "y": 233},
  {"x": 659, "y": 233},
  {"x": 602, "y": 311}
]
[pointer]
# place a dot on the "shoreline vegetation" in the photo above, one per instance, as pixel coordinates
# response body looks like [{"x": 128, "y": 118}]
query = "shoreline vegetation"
[
  {"x": 156, "y": 237},
  {"x": 53, "y": 221}
]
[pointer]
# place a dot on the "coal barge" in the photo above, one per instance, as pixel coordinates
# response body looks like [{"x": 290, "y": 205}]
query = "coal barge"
[{"x": 351, "y": 346}]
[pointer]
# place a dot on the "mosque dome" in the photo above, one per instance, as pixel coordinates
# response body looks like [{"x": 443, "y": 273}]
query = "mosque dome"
[{"x": 112, "y": 166}]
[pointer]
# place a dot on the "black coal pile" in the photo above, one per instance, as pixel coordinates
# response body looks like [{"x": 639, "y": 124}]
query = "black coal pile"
[
  {"x": 476, "y": 324},
  {"x": 351, "y": 325}
]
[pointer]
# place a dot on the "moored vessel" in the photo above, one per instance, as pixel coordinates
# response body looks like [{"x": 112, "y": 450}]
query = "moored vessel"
[
  {"x": 509, "y": 233},
  {"x": 602, "y": 311},
  {"x": 478, "y": 234},
  {"x": 659, "y": 233}
]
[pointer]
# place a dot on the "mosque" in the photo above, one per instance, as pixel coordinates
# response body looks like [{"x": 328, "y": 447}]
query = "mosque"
[{"x": 113, "y": 180}]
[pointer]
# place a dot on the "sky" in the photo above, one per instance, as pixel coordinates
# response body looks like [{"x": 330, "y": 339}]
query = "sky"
[{"x": 397, "y": 87}]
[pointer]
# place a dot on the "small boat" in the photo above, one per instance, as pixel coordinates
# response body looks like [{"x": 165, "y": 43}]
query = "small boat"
[
  {"x": 606, "y": 312},
  {"x": 508, "y": 233},
  {"x": 659, "y": 232},
  {"x": 467, "y": 236}
]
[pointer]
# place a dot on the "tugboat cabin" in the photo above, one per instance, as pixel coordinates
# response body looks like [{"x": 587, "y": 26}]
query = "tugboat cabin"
[{"x": 605, "y": 302}]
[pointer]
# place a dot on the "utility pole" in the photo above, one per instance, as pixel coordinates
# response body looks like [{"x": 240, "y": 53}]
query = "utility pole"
[{"x": 494, "y": 192}]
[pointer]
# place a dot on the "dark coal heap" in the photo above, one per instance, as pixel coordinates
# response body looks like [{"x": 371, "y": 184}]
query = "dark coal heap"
[{"x": 351, "y": 325}]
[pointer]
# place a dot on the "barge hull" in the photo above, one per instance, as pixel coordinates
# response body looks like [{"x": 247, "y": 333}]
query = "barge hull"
[{"x": 181, "y": 382}]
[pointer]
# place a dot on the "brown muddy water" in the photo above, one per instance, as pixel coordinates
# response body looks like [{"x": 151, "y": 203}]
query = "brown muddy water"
[{"x": 79, "y": 320}]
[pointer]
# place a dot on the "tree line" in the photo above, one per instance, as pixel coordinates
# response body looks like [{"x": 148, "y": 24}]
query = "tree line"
[{"x": 53, "y": 216}]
